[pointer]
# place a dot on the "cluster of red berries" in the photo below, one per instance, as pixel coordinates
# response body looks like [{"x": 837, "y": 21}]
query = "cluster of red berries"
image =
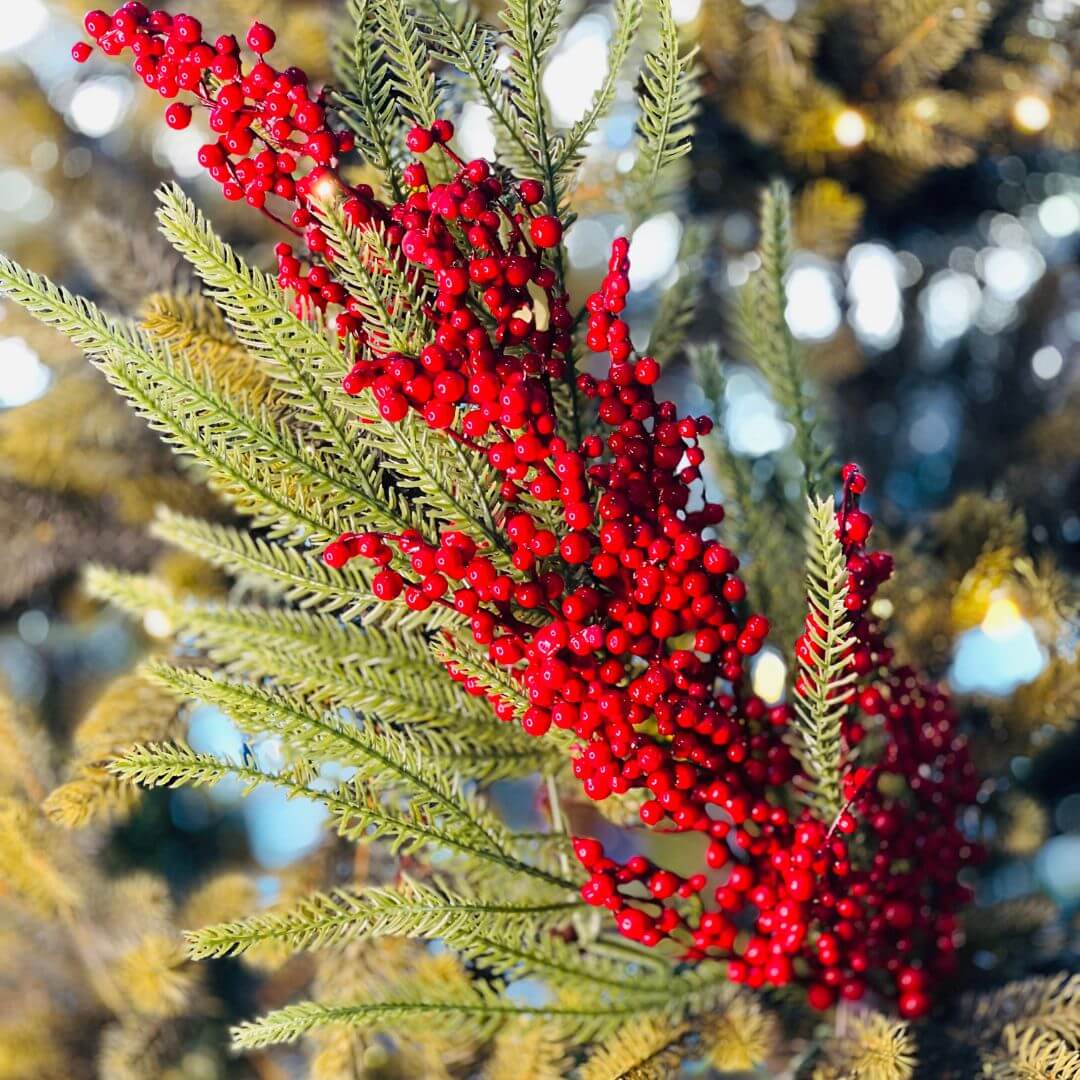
[{"x": 608, "y": 602}]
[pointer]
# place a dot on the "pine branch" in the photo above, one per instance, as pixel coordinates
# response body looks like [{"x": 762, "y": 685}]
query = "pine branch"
[
  {"x": 648, "y": 1049},
  {"x": 825, "y": 667},
  {"x": 411, "y": 909},
  {"x": 412, "y": 76},
  {"x": 299, "y": 357},
  {"x": 392, "y": 299},
  {"x": 367, "y": 103},
  {"x": 258, "y": 466},
  {"x": 190, "y": 324},
  {"x": 571, "y": 146},
  {"x": 384, "y": 670},
  {"x": 479, "y": 1010},
  {"x": 532, "y": 27},
  {"x": 668, "y": 101},
  {"x": 763, "y": 325},
  {"x": 383, "y": 760},
  {"x": 356, "y": 810},
  {"x": 1047, "y": 1004},
  {"x": 297, "y": 575},
  {"x": 457, "y": 38}
]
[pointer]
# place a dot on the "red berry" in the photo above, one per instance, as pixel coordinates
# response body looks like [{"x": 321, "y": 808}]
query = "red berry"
[
  {"x": 442, "y": 131},
  {"x": 81, "y": 52},
  {"x": 419, "y": 140},
  {"x": 260, "y": 38},
  {"x": 96, "y": 22},
  {"x": 178, "y": 116},
  {"x": 546, "y": 232},
  {"x": 530, "y": 192}
]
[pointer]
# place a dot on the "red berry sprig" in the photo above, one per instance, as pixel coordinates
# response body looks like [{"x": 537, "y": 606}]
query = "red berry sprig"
[{"x": 612, "y": 607}]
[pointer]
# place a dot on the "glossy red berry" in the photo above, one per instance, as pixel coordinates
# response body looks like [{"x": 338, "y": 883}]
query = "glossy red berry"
[
  {"x": 178, "y": 116},
  {"x": 260, "y": 38},
  {"x": 546, "y": 231},
  {"x": 419, "y": 140},
  {"x": 81, "y": 52}
]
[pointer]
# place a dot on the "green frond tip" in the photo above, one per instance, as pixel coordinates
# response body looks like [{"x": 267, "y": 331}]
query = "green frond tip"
[
  {"x": 668, "y": 100},
  {"x": 647, "y": 1049},
  {"x": 824, "y": 666},
  {"x": 366, "y": 97},
  {"x": 411, "y": 909},
  {"x": 627, "y": 16},
  {"x": 762, "y": 325}
]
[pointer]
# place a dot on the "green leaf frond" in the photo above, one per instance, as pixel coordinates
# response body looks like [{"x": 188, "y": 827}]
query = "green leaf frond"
[
  {"x": 415, "y": 88},
  {"x": 648, "y": 1049},
  {"x": 471, "y": 662},
  {"x": 571, "y": 146},
  {"x": 765, "y": 333},
  {"x": 668, "y": 101},
  {"x": 366, "y": 102},
  {"x": 478, "y": 1009},
  {"x": 411, "y": 909},
  {"x": 386, "y": 673},
  {"x": 295, "y": 574},
  {"x": 825, "y": 668},
  {"x": 392, "y": 298},
  {"x": 256, "y": 464},
  {"x": 358, "y": 812},
  {"x": 297, "y": 355},
  {"x": 385, "y": 761},
  {"x": 449, "y": 481},
  {"x": 456, "y": 37},
  {"x": 532, "y": 28}
]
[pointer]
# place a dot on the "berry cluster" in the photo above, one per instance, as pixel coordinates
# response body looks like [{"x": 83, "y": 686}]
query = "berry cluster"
[{"x": 609, "y": 602}]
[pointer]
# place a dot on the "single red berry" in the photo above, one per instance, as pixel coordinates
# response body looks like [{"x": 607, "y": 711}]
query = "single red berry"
[
  {"x": 260, "y": 38},
  {"x": 419, "y": 140},
  {"x": 178, "y": 116},
  {"x": 546, "y": 231},
  {"x": 530, "y": 192},
  {"x": 442, "y": 131},
  {"x": 97, "y": 23},
  {"x": 81, "y": 52}
]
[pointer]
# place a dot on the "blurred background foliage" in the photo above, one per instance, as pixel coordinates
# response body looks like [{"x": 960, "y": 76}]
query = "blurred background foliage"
[{"x": 932, "y": 150}]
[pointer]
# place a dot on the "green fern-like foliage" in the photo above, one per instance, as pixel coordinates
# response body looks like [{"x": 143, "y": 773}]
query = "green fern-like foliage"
[
  {"x": 342, "y": 700},
  {"x": 769, "y": 341},
  {"x": 824, "y": 666}
]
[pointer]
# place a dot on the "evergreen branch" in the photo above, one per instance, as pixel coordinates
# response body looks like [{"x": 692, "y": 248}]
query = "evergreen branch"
[
  {"x": 384, "y": 760},
  {"x": 668, "y": 101},
  {"x": 412, "y": 76},
  {"x": 367, "y": 104},
  {"x": 412, "y": 909},
  {"x": 392, "y": 298},
  {"x": 356, "y": 810},
  {"x": 480, "y": 1010},
  {"x": 453, "y": 482},
  {"x": 825, "y": 666},
  {"x": 264, "y": 472},
  {"x": 390, "y": 673},
  {"x": 459, "y": 39},
  {"x": 299, "y": 357},
  {"x": 531, "y": 30},
  {"x": 297, "y": 575},
  {"x": 627, "y": 15},
  {"x": 494, "y": 680},
  {"x": 762, "y": 322},
  {"x": 648, "y": 1049}
]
